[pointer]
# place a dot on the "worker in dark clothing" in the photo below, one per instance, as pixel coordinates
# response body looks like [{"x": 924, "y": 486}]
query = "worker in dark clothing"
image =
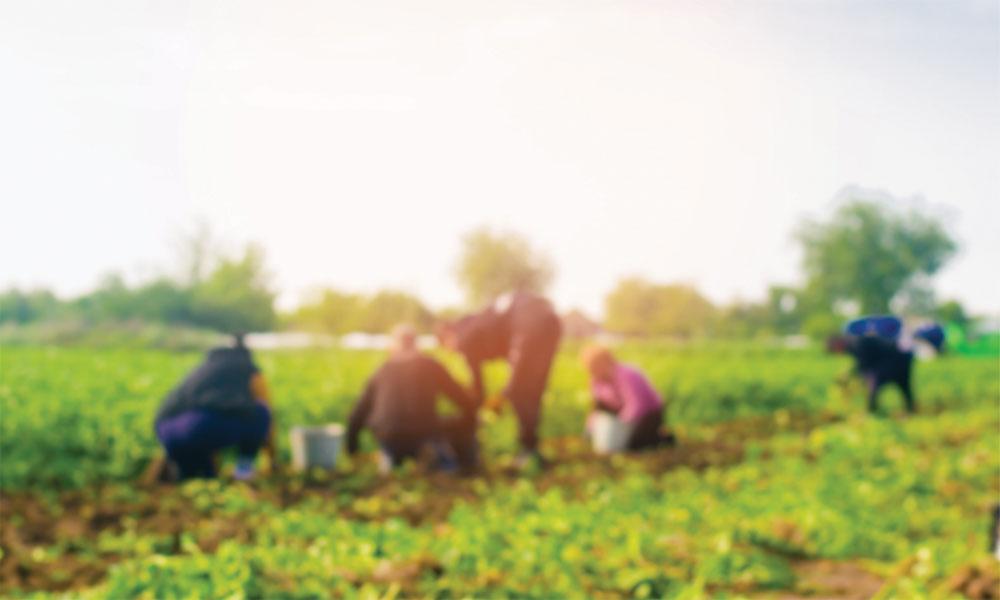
[
  {"x": 399, "y": 407},
  {"x": 879, "y": 361},
  {"x": 524, "y": 329},
  {"x": 223, "y": 403}
]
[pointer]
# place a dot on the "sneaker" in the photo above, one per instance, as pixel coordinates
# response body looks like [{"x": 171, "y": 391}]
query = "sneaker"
[{"x": 244, "y": 469}]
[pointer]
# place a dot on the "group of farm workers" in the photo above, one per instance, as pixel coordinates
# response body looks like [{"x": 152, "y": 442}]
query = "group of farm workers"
[{"x": 225, "y": 402}]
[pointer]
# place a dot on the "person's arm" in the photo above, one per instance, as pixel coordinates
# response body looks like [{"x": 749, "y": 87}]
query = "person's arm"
[
  {"x": 261, "y": 392},
  {"x": 359, "y": 416},
  {"x": 478, "y": 388},
  {"x": 452, "y": 390}
]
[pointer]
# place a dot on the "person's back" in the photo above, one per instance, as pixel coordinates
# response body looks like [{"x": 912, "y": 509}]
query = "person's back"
[
  {"x": 527, "y": 312},
  {"x": 640, "y": 397},
  {"x": 405, "y": 392},
  {"x": 880, "y": 356},
  {"x": 221, "y": 382},
  {"x": 871, "y": 353},
  {"x": 524, "y": 329},
  {"x": 399, "y": 406},
  {"x": 490, "y": 333}
]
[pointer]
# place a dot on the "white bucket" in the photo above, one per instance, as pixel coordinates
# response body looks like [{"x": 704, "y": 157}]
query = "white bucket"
[
  {"x": 316, "y": 446},
  {"x": 608, "y": 433}
]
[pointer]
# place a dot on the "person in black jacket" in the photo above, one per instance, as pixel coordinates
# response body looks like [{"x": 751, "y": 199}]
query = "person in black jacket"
[
  {"x": 524, "y": 329},
  {"x": 398, "y": 405},
  {"x": 223, "y": 403},
  {"x": 879, "y": 361}
]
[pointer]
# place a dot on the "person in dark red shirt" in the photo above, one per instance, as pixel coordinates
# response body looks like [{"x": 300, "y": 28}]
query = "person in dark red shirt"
[
  {"x": 398, "y": 405},
  {"x": 524, "y": 329}
]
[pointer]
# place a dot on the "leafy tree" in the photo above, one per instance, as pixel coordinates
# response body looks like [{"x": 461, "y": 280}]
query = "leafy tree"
[
  {"x": 164, "y": 301},
  {"x": 336, "y": 313},
  {"x": 785, "y": 309},
  {"x": 637, "y": 307},
  {"x": 782, "y": 312},
  {"x": 212, "y": 290},
  {"x": 329, "y": 311},
  {"x": 867, "y": 253},
  {"x": 449, "y": 313},
  {"x": 743, "y": 320},
  {"x": 819, "y": 325},
  {"x": 915, "y": 298},
  {"x": 25, "y": 307},
  {"x": 388, "y": 308},
  {"x": 493, "y": 263},
  {"x": 952, "y": 312},
  {"x": 112, "y": 300},
  {"x": 236, "y": 295}
]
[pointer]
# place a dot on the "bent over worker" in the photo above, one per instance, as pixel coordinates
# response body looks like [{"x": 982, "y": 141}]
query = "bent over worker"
[
  {"x": 524, "y": 329},
  {"x": 877, "y": 357}
]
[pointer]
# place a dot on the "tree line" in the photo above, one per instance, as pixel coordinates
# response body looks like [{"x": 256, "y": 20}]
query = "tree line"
[
  {"x": 868, "y": 257},
  {"x": 212, "y": 290}
]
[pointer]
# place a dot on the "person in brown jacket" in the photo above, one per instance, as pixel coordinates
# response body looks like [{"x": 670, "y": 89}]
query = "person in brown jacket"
[{"x": 398, "y": 406}]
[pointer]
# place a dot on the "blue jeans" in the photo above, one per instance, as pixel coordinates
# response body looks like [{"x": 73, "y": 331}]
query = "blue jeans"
[{"x": 192, "y": 438}]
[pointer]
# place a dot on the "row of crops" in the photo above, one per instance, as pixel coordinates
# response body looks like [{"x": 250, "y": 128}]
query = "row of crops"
[
  {"x": 781, "y": 485},
  {"x": 74, "y": 417}
]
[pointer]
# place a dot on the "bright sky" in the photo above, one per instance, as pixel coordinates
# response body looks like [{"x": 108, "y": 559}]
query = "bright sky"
[{"x": 680, "y": 141}]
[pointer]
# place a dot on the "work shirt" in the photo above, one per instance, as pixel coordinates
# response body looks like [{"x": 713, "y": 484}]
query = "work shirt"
[
  {"x": 510, "y": 328},
  {"x": 879, "y": 357},
  {"x": 629, "y": 394},
  {"x": 224, "y": 382},
  {"x": 399, "y": 401}
]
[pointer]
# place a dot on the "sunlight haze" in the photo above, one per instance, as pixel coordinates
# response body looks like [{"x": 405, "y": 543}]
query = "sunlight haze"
[{"x": 357, "y": 142}]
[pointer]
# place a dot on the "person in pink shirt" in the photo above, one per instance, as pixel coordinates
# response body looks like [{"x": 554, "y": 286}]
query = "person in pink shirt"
[{"x": 624, "y": 391}]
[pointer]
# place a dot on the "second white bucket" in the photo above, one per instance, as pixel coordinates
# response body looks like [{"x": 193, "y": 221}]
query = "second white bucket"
[
  {"x": 316, "y": 446},
  {"x": 609, "y": 434}
]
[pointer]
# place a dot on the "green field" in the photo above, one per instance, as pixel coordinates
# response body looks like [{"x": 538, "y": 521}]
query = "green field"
[{"x": 781, "y": 487}]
